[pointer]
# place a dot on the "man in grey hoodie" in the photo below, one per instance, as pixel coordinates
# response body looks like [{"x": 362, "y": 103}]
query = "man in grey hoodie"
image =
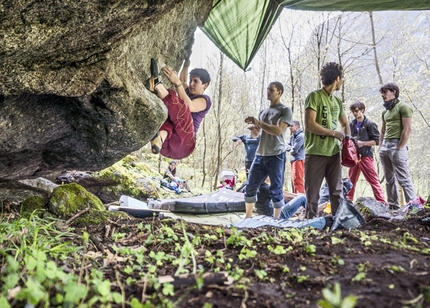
[{"x": 296, "y": 147}]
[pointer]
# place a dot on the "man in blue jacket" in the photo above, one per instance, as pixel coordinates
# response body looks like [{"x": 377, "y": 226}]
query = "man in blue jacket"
[{"x": 250, "y": 142}]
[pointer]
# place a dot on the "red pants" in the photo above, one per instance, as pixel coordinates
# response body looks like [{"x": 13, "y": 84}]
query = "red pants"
[
  {"x": 180, "y": 141},
  {"x": 298, "y": 175},
  {"x": 367, "y": 166}
]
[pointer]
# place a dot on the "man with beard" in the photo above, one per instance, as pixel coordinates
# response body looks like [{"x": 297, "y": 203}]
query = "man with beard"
[{"x": 393, "y": 151}]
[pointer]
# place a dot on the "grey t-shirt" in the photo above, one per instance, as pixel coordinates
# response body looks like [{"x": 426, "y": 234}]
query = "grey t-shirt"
[{"x": 271, "y": 145}]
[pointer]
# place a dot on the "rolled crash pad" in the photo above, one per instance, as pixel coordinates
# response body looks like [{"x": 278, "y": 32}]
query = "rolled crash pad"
[
  {"x": 220, "y": 201},
  {"x": 134, "y": 207},
  {"x": 262, "y": 220}
]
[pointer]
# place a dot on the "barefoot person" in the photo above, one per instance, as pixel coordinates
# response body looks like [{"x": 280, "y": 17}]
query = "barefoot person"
[{"x": 186, "y": 108}]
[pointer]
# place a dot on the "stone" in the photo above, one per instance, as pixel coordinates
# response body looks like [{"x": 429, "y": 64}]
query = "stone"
[
  {"x": 127, "y": 177},
  {"x": 68, "y": 199},
  {"x": 33, "y": 204},
  {"x": 72, "y": 75},
  {"x": 16, "y": 192}
]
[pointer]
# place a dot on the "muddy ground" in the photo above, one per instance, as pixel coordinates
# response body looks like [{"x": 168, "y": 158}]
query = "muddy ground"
[{"x": 383, "y": 264}]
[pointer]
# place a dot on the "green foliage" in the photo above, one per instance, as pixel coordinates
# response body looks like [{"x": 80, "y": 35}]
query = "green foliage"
[
  {"x": 310, "y": 249},
  {"x": 238, "y": 239},
  {"x": 278, "y": 250},
  {"x": 333, "y": 299},
  {"x": 37, "y": 275}
]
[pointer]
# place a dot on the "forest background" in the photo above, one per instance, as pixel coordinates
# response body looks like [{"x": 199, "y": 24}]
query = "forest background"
[{"x": 373, "y": 47}]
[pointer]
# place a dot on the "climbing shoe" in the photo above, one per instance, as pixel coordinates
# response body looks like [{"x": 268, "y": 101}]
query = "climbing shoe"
[
  {"x": 155, "y": 79},
  {"x": 156, "y": 144}
]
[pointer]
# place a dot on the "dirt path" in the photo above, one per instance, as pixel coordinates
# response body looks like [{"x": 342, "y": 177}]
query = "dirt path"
[{"x": 382, "y": 264}]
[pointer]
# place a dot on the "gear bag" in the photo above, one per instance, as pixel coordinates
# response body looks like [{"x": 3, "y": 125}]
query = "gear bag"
[{"x": 350, "y": 157}]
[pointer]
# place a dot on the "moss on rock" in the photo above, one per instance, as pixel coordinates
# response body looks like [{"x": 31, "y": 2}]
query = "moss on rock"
[
  {"x": 31, "y": 204},
  {"x": 68, "y": 199},
  {"x": 129, "y": 175}
]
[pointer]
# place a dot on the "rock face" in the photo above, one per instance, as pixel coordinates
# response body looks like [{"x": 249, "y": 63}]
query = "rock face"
[{"x": 72, "y": 75}]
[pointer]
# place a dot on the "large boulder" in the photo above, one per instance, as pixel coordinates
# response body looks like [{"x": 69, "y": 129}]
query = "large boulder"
[
  {"x": 129, "y": 177},
  {"x": 15, "y": 192},
  {"x": 72, "y": 74}
]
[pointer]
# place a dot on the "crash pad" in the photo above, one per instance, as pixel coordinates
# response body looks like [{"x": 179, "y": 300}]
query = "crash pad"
[{"x": 220, "y": 201}]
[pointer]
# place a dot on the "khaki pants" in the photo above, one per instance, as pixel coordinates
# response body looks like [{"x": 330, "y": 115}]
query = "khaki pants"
[
  {"x": 317, "y": 168},
  {"x": 396, "y": 168}
]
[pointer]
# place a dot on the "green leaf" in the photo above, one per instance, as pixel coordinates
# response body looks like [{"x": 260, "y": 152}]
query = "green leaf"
[
  {"x": 10, "y": 281},
  {"x": 30, "y": 262},
  {"x": 12, "y": 264},
  {"x": 330, "y": 297},
  {"x": 135, "y": 303},
  {"x": 33, "y": 292},
  {"x": 168, "y": 289},
  {"x": 359, "y": 276},
  {"x": 3, "y": 302},
  {"x": 52, "y": 271},
  {"x": 349, "y": 302},
  {"x": 324, "y": 304},
  {"x": 117, "y": 297},
  {"x": 75, "y": 292},
  {"x": 40, "y": 256},
  {"x": 104, "y": 288}
]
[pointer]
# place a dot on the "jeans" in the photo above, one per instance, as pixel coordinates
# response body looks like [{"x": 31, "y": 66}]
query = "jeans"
[
  {"x": 396, "y": 167},
  {"x": 263, "y": 166},
  {"x": 175, "y": 187},
  {"x": 292, "y": 206}
]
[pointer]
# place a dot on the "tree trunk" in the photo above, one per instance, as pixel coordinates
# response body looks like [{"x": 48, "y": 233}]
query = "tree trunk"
[
  {"x": 378, "y": 71},
  {"x": 219, "y": 135},
  {"x": 204, "y": 154}
]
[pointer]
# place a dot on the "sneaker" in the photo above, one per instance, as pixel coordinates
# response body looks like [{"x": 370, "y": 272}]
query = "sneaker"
[
  {"x": 155, "y": 79},
  {"x": 156, "y": 144}
]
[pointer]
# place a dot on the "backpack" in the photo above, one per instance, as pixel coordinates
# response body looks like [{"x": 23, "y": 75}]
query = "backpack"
[{"x": 350, "y": 157}]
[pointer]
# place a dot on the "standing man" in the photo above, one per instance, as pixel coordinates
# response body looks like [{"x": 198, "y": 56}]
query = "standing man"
[
  {"x": 393, "y": 151},
  {"x": 323, "y": 112},
  {"x": 250, "y": 142},
  {"x": 270, "y": 156},
  {"x": 297, "y": 157},
  {"x": 366, "y": 134}
]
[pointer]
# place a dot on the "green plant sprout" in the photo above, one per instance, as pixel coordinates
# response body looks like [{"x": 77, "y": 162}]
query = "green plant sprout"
[{"x": 333, "y": 299}]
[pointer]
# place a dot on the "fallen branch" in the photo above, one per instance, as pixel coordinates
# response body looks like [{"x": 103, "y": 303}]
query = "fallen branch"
[
  {"x": 181, "y": 281},
  {"x": 64, "y": 225},
  {"x": 107, "y": 230},
  {"x": 76, "y": 216},
  {"x": 97, "y": 243}
]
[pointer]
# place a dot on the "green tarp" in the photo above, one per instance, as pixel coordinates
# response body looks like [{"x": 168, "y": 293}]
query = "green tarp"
[{"x": 239, "y": 27}]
